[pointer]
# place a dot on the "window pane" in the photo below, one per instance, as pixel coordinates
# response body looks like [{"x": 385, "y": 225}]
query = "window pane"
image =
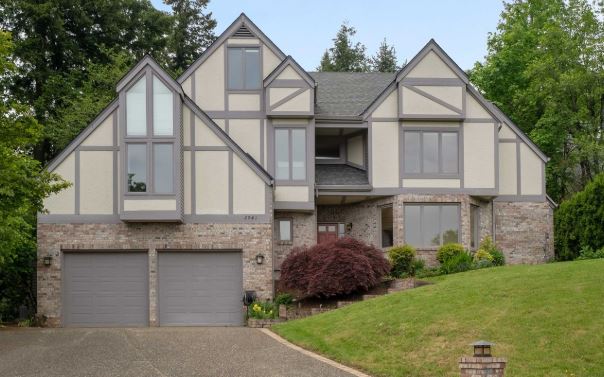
[
  {"x": 235, "y": 68},
  {"x": 474, "y": 232},
  {"x": 162, "y": 108},
  {"x": 163, "y": 168},
  {"x": 387, "y": 227},
  {"x": 137, "y": 168},
  {"x": 449, "y": 152},
  {"x": 298, "y": 154},
  {"x": 412, "y": 150},
  {"x": 282, "y": 154},
  {"x": 412, "y": 225},
  {"x": 430, "y": 229},
  {"x": 341, "y": 230},
  {"x": 430, "y": 156},
  {"x": 450, "y": 224},
  {"x": 136, "y": 109},
  {"x": 285, "y": 230},
  {"x": 252, "y": 68}
]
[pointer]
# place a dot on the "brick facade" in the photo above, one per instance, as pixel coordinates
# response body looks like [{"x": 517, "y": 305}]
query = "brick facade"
[
  {"x": 304, "y": 233},
  {"x": 524, "y": 231},
  {"x": 251, "y": 239}
]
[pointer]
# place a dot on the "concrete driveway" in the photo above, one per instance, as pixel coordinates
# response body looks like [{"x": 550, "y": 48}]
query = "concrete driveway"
[{"x": 164, "y": 351}]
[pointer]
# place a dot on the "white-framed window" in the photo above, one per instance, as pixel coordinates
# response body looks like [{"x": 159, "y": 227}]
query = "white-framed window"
[
  {"x": 431, "y": 225},
  {"x": 290, "y": 154},
  {"x": 244, "y": 71},
  {"x": 431, "y": 153}
]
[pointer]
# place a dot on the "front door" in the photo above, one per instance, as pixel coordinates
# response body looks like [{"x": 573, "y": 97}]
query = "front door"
[{"x": 327, "y": 232}]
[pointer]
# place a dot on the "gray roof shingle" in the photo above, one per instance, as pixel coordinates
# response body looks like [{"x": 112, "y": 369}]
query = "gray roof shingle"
[
  {"x": 340, "y": 174},
  {"x": 348, "y": 93}
]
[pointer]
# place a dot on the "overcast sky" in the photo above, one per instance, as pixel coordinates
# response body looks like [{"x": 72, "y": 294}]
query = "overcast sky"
[{"x": 305, "y": 28}]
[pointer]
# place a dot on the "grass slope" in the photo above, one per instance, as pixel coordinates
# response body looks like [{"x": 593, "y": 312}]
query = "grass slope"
[{"x": 548, "y": 320}]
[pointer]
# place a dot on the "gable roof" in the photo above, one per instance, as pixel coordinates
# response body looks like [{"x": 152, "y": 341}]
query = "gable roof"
[
  {"x": 241, "y": 21},
  {"x": 348, "y": 93},
  {"x": 148, "y": 60},
  {"x": 289, "y": 62},
  {"x": 246, "y": 157},
  {"x": 432, "y": 46}
]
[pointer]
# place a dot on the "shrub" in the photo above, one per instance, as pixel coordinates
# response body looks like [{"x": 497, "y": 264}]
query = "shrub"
[
  {"x": 333, "y": 268},
  {"x": 284, "y": 299},
  {"x": 459, "y": 262},
  {"x": 587, "y": 252},
  {"x": 262, "y": 310},
  {"x": 401, "y": 258},
  {"x": 417, "y": 266},
  {"x": 487, "y": 246},
  {"x": 449, "y": 251},
  {"x": 578, "y": 221},
  {"x": 483, "y": 255}
]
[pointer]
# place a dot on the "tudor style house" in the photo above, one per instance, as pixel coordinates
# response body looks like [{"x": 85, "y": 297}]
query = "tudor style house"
[{"x": 187, "y": 192}]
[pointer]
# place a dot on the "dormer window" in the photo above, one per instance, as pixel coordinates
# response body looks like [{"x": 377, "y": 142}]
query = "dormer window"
[
  {"x": 149, "y": 136},
  {"x": 244, "y": 69}
]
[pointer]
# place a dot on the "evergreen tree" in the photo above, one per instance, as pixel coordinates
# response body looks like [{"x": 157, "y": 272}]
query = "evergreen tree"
[
  {"x": 385, "y": 59},
  {"x": 345, "y": 56},
  {"x": 193, "y": 32}
]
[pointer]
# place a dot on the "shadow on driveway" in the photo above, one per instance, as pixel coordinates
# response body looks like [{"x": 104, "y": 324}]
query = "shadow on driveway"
[{"x": 164, "y": 351}]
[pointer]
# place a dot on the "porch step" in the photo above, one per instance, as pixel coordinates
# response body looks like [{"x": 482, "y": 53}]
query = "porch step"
[
  {"x": 369, "y": 297},
  {"x": 342, "y": 304}
]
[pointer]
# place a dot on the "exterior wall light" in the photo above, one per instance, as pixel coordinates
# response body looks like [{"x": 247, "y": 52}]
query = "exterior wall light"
[
  {"x": 482, "y": 348},
  {"x": 259, "y": 259},
  {"x": 47, "y": 260}
]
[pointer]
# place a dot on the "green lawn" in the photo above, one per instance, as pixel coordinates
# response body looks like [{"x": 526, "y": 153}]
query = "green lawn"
[{"x": 548, "y": 320}]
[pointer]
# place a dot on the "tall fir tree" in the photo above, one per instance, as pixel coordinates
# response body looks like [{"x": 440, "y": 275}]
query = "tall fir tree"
[
  {"x": 193, "y": 32},
  {"x": 345, "y": 56},
  {"x": 385, "y": 58}
]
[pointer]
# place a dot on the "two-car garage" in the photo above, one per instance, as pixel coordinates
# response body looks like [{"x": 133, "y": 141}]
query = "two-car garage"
[{"x": 112, "y": 288}]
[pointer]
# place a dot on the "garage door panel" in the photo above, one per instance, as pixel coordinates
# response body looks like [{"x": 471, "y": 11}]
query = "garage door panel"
[
  {"x": 105, "y": 289},
  {"x": 200, "y": 288}
]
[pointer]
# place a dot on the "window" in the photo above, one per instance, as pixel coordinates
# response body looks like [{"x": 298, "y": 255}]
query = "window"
[
  {"x": 474, "y": 226},
  {"x": 290, "y": 154},
  {"x": 244, "y": 71},
  {"x": 387, "y": 226},
  {"x": 431, "y": 152},
  {"x": 431, "y": 225},
  {"x": 284, "y": 230},
  {"x": 150, "y": 139},
  {"x": 137, "y": 167},
  {"x": 163, "y": 168},
  {"x": 136, "y": 109},
  {"x": 162, "y": 109}
]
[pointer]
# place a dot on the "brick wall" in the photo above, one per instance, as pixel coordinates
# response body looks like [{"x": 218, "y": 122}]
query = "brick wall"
[
  {"x": 524, "y": 231},
  {"x": 52, "y": 238},
  {"x": 304, "y": 234}
]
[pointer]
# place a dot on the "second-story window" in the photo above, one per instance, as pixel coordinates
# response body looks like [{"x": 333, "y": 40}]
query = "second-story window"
[
  {"x": 431, "y": 152},
  {"x": 244, "y": 70},
  {"x": 290, "y": 154},
  {"x": 150, "y": 136}
]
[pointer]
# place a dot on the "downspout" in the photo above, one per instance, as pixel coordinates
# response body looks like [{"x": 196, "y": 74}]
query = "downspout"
[{"x": 493, "y": 219}]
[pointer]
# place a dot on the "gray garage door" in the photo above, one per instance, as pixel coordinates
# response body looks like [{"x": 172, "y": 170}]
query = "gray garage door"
[
  {"x": 200, "y": 288},
  {"x": 105, "y": 289}
]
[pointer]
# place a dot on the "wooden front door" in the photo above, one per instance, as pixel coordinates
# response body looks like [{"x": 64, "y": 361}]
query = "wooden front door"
[{"x": 327, "y": 232}]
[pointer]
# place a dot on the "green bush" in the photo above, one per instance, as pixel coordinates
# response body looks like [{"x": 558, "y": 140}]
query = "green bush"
[
  {"x": 459, "y": 262},
  {"x": 483, "y": 255},
  {"x": 262, "y": 310},
  {"x": 449, "y": 251},
  {"x": 417, "y": 266},
  {"x": 498, "y": 258},
  {"x": 587, "y": 252},
  {"x": 487, "y": 250},
  {"x": 578, "y": 221},
  {"x": 401, "y": 259},
  {"x": 284, "y": 299}
]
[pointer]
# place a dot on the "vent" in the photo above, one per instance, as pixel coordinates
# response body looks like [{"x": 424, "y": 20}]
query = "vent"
[{"x": 243, "y": 32}]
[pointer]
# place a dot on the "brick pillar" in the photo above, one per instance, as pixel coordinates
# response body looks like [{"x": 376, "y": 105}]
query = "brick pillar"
[{"x": 482, "y": 366}]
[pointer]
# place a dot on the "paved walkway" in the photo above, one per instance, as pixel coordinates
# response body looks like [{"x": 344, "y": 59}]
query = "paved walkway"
[{"x": 149, "y": 352}]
